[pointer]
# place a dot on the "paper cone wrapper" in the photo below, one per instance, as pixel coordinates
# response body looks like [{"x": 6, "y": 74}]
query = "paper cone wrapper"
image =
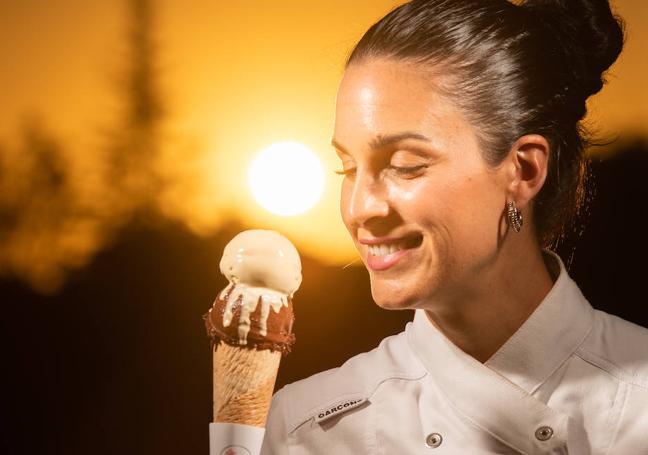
[{"x": 244, "y": 380}]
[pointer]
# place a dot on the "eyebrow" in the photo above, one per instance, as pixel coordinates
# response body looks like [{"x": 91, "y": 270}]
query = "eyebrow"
[{"x": 382, "y": 141}]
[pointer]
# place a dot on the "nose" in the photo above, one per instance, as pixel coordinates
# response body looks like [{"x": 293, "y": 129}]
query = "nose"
[{"x": 368, "y": 200}]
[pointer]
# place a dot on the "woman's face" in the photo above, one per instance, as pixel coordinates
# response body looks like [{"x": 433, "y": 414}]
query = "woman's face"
[{"x": 421, "y": 204}]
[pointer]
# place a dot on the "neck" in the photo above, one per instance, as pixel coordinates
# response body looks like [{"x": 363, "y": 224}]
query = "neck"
[{"x": 481, "y": 320}]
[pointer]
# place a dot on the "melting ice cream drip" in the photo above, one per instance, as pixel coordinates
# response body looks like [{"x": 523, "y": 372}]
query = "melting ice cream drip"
[
  {"x": 250, "y": 297},
  {"x": 263, "y": 268}
]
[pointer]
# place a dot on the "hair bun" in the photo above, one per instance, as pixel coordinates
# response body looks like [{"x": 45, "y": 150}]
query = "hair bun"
[{"x": 590, "y": 35}]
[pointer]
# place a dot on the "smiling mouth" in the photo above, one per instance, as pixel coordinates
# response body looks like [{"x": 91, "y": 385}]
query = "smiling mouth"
[{"x": 386, "y": 249}]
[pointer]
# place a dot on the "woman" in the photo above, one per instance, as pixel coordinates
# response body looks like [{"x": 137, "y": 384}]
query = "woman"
[{"x": 457, "y": 125}]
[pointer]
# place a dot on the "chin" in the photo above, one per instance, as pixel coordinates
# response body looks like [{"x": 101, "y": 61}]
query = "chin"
[{"x": 393, "y": 300}]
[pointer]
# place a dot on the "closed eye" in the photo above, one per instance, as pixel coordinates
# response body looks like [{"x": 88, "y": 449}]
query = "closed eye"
[
  {"x": 349, "y": 171},
  {"x": 407, "y": 169}
]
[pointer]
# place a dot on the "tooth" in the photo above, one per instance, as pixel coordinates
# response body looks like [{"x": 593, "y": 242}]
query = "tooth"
[
  {"x": 384, "y": 249},
  {"x": 392, "y": 249}
]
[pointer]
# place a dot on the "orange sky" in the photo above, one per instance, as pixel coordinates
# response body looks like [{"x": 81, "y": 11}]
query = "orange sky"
[{"x": 236, "y": 76}]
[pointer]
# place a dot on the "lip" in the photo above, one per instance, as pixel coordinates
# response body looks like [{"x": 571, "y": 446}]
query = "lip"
[{"x": 381, "y": 263}]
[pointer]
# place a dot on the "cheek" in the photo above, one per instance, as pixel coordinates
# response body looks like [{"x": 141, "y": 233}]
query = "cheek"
[
  {"x": 423, "y": 200},
  {"x": 474, "y": 206},
  {"x": 456, "y": 205}
]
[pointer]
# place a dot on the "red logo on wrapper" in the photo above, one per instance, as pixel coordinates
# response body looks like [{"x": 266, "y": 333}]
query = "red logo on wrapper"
[{"x": 235, "y": 450}]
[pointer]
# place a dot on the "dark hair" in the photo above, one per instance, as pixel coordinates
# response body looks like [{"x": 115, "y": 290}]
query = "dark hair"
[{"x": 513, "y": 70}]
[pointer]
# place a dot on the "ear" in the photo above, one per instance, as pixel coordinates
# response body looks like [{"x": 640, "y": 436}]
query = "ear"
[{"x": 528, "y": 159}]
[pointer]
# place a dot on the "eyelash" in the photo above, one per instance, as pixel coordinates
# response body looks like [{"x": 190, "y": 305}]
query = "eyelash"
[
  {"x": 407, "y": 169},
  {"x": 397, "y": 169}
]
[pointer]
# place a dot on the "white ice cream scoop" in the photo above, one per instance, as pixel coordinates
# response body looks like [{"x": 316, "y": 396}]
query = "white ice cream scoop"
[
  {"x": 262, "y": 258},
  {"x": 262, "y": 267}
]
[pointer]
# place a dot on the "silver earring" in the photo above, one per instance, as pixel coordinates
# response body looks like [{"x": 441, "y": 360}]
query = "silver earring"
[{"x": 514, "y": 216}]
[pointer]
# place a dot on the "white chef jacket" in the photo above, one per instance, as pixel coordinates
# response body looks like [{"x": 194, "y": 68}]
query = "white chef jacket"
[{"x": 570, "y": 380}]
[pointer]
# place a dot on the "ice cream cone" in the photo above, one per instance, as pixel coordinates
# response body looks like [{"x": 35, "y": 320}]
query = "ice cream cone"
[
  {"x": 243, "y": 383},
  {"x": 250, "y": 324}
]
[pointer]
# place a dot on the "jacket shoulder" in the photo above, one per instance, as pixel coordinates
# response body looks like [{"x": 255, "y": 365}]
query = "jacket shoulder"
[
  {"x": 619, "y": 347},
  {"x": 338, "y": 390}
]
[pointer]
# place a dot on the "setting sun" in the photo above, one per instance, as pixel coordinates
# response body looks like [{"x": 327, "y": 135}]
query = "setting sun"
[{"x": 286, "y": 178}]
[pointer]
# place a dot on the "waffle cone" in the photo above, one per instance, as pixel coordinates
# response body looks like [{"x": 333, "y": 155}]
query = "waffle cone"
[{"x": 244, "y": 380}]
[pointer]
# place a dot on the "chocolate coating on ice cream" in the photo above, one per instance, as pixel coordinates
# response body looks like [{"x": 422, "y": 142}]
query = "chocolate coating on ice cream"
[
  {"x": 274, "y": 334},
  {"x": 255, "y": 309}
]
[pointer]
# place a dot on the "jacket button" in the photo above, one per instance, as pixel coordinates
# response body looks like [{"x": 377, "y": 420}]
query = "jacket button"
[
  {"x": 433, "y": 440},
  {"x": 544, "y": 433}
]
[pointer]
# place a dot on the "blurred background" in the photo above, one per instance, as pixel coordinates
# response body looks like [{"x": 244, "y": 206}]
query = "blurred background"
[{"x": 129, "y": 133}]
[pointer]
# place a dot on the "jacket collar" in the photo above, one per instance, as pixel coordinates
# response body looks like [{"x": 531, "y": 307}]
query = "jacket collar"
[
  {"x": 496, "y": 396},
  {"x": 548, "y": 337}
]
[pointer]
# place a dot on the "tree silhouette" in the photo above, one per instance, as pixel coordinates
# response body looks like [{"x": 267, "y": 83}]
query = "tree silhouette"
[
  {"x": 136, "y": 141},
  {"x": 46, "y": 227},
  {"x": 55, "y": 214}
]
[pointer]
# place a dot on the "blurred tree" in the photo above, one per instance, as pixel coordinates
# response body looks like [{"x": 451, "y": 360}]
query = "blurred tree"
[
  {"x": 136, "y": 141},
  {"x": 56, "y": 210},
  {"x": 47, "y": 226}
]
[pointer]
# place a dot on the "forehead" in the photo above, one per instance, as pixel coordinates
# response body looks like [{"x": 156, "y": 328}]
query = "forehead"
[{"x": 382, "y": 96}]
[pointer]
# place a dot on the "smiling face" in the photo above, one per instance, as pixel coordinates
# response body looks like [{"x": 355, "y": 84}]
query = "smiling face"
[{"x": 422, "y": 206}]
